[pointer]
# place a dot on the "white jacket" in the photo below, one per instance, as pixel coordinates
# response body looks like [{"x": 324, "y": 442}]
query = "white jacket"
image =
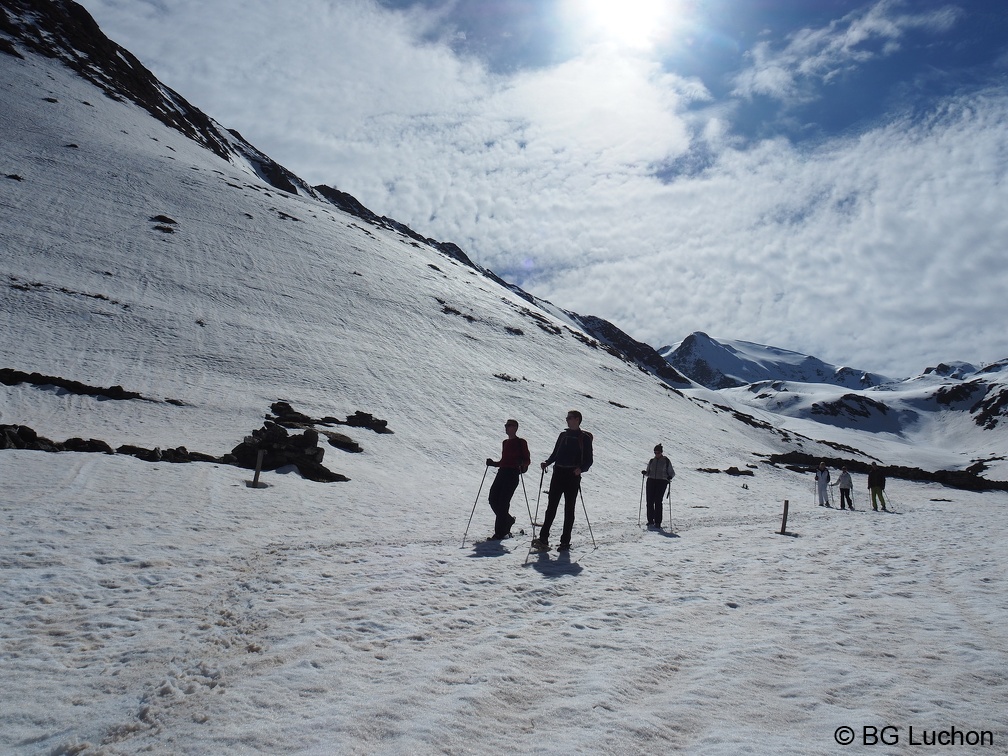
[{"x": 660, "y": 471}]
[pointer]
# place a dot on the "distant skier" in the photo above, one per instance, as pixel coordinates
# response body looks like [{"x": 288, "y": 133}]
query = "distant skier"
[
  {"x": 659, "y": 473},
  {"x": 822, "y": 484},
  {"x": 573, "y": 456},
  {"x": 514, "y": 461},
  {"x": 876, "y": 484},
  {"x": 845, "y": 485}
]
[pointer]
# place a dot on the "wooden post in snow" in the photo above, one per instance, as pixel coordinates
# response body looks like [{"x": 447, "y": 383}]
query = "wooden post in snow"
[
  {"x": 783, "y": 525},
  {"x": 259, "y": 461}
]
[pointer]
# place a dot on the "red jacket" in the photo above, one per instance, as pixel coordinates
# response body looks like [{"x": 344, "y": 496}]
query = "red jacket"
[{"x": 515, "y": 453}]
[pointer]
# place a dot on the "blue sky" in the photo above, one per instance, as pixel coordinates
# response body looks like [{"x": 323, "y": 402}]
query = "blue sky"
[{"x": 823, "y": 176}]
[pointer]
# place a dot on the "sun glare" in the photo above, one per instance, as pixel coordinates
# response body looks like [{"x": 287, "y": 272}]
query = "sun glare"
[{"x": 635, "y": 24}]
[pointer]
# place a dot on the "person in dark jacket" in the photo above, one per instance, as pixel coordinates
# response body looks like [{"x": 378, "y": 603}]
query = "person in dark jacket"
[
  {"x": 876, "y": 484},
  {"x": 514, "y": 461},
  {"x": 573, "y": 456},
  {"x": 659, "y": 472}
]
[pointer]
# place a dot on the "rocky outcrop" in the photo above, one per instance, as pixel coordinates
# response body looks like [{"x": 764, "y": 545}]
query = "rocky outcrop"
[
  {"x": 281, "y": 449},
  {"x": 12, "y": 377}
]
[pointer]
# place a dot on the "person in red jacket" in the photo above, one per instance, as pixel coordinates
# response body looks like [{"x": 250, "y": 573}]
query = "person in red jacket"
[{"x": 514, "y": 461}]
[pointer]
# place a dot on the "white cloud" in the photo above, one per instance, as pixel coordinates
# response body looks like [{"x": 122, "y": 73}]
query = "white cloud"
[
  {"x": 880, "y": 251},
  {"x": 813, "y": 56}
]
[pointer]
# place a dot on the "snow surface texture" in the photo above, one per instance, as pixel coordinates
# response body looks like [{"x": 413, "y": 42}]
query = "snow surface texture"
[{"x": 173, "y": 609}]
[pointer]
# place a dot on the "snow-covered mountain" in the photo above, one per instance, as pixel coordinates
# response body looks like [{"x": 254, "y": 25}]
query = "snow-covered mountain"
[
  {"x": 724, "y": 363},
  {"x": 794, "y": 385},
  {"x": 167, "y": 288}
]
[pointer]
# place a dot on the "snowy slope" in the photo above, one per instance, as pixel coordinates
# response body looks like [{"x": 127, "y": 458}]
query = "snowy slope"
[{"x": 171, "y": 608}]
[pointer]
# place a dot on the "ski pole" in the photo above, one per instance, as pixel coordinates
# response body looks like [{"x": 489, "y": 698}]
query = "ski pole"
[
  {"x": 521, "y": 477},
  {"x": 542, "y": 477},
  {"x": 485, "y": 471},
  {"x": 594, "y": 545},
  {"x": 641, "y": 507},
  {"x": 669, "y": 492}
]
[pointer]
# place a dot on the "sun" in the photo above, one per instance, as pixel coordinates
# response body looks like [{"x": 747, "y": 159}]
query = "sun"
[{"x": 627, "y": 24}]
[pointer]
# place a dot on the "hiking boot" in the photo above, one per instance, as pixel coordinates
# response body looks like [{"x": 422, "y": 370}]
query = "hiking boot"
[
  {"x": 563, "y": 547},
  {"x": 540, "y": 544}
]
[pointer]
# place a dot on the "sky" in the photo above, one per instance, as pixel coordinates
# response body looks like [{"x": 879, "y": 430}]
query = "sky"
[{"x": 822, "y": 176}]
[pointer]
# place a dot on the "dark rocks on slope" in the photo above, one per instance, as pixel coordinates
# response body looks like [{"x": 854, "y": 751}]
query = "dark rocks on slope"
[
  {"x": 281, "y": 449},
  {"x": 962, "y": 479}
]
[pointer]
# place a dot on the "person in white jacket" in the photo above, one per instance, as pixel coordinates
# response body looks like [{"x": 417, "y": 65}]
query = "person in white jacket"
[
  {"x": 845, "y": 485},
  {"x": 822, "y": 484},
  {"x": 659, "y": 472}
]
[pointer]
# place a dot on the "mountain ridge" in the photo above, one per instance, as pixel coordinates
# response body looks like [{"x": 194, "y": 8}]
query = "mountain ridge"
[{"x": 73, "y": 37}]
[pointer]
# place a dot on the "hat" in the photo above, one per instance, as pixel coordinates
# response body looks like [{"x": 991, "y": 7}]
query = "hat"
[{"x": 658, "y": 448}]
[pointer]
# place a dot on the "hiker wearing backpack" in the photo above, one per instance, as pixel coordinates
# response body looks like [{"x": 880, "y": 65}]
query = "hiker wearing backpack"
[
  {"x": 659, "y": 473},
  {"x": 513, "y": 462},
  {"x": 573, "y": 456}
]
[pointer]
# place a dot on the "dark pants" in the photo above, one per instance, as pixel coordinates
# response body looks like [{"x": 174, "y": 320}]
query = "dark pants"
[
  {"x": 655, "y": 493},
  {"x": 501, "y": 491},
  {"x": 566, "y": 484},
  {"x": 877, "y": 495},
  {"x": 845, "y": 497}
]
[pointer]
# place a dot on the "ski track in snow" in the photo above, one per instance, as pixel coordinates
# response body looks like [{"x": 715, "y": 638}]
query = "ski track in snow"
[{"x": 187, "y": 623}]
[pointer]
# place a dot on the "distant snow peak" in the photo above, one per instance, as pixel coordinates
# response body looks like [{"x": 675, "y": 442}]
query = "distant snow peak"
[
  {"x": 719, "y": 364},
  {"x": 958, "y": 370}
]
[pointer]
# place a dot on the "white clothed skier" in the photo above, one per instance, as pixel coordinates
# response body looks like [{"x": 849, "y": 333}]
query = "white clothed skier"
[
  {"x": 822, "y": 484},
  {"x": 845, "y": 485}
]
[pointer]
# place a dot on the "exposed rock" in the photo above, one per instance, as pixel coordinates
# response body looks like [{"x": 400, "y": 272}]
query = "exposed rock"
[
  {"x": 366, "y": 420},
  {"x": 281, "y": 449},
  {"x": 288, "y": 416},
  {"x": 93, "y": 445},
  {"x": 630, "y": 350},
  {"x": 12, "y": 377},
  {"x": 341, "y": 441}
]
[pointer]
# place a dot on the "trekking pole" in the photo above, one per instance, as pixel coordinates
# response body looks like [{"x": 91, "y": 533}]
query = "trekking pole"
[
  {"x": 669, "y": 492},
  {"x": 485, "y": 471},
  {"x": 594, "y": 545},
  {"x": 641, "y": 507},
  {"x": 521, "y": 477},
  {"x": 539, "y": 496}
]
